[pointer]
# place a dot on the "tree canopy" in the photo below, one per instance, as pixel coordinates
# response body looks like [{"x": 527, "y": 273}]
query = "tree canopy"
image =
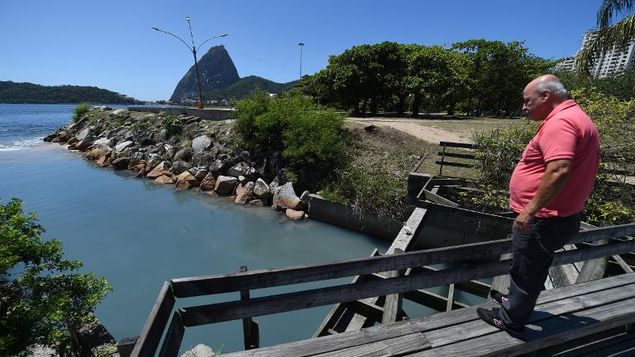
[
  {"x": 476, "y": 75},
  {"x": 11, "y": 92}
]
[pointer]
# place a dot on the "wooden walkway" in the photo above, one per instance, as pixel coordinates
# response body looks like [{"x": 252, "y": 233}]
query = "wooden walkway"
[{"x": 563, "y": 315}]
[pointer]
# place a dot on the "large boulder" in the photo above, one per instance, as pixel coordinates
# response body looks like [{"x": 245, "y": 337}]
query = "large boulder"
[
  {"x": 225, "y": 185},
  {"x": 159, "y": 170},
  {"x": 123, "y": 145},
  {"x": 208, "y": 183},
  {"x": 185, "y": 181},
  {"x": 184, "y": 154},
  {"x": 218, "y": 167},
  {"x": 261, "y": 189},
  {"x": 179, "y": 166},
  {"x": 93, "y": 334},
  {"x": 285, "y": 197},
  {"x": 120, "y": 111},
  {"x": 199, "y": 172},
  {"x": 96, "y": 152},
  {"x": 294, "y": 215},
  {"x": 164, "y": 180},
  {"x": 120, "y": 163},
  {"x": 200, "y": 350},
  {"x": 244, "y": 193},
  {"x": 102, "y": 142},
  {"x": 201, "y": 143},
  {"x": 242, "y": 169},
  {"x": 83, "y": 133}
]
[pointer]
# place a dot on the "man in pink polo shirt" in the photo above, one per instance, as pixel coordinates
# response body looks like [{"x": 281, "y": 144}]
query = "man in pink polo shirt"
[{"x": 548, "y": 190}]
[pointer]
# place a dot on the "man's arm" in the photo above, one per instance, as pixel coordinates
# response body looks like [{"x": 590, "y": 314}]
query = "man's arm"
[{"x": 556, "y": 175}]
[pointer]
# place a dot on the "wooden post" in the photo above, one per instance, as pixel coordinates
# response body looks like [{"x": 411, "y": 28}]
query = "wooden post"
[
  {"x": 393, "y": 302},
  {"x": 251, "y": 330},
  {"x": 442, "y": 159},
  {"x": 448, "y": 307}
]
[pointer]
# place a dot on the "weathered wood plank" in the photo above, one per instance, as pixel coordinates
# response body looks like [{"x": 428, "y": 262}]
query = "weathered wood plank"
[
  {"x": 451, "y": 144},
  {"x": 457, "y": 155},
  {"x": 389, "y": 347},
  {"x": 547, "y": 333},
  {"x": 393, "y": 302},
  {"x": 455, "y": 164},
  {"x": 196, "y": 286},
  {"x": 427, "y": 323},
  {"x": 152, "y": 331},
  {"x": 198, "y": 315},
  {"x": 173, "y": 338}
]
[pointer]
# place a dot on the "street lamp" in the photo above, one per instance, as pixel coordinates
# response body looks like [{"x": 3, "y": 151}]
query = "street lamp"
[
  {"x": 301, "y": 44},
  {"x": 193, "y": 50}
]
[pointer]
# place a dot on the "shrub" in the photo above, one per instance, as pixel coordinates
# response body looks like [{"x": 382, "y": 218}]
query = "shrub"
[
  {"x": 371, "y": 191},
  {"x": 43, "y": 300},
  {"x": 308, "y": 136},
  {"x": 172, "y": 124},
  {"x": 80, "y": 111}
]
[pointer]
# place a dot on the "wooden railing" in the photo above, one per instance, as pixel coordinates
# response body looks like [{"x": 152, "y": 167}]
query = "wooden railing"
[
  {"x": 444, "y": 154},
  {"x": 466, "y": 257}
]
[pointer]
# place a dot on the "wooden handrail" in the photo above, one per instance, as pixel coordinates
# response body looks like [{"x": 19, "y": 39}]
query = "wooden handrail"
[{"x": 488, "y": 253}]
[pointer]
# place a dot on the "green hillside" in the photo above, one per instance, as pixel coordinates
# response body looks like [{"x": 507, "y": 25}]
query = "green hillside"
[
  {"x": 245, "y": 86},
  {"x": 12, "y": 92}
]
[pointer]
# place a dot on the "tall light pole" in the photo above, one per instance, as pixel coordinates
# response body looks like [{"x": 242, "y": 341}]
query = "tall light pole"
[
  {"x": 301, "y": 44},
  {"x": 193, "y": 50}
]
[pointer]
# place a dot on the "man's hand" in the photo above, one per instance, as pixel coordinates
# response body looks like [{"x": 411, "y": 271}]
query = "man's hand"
[{"x": 523, "y": 221}]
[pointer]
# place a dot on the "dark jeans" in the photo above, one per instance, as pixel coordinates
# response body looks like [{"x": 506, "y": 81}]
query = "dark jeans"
[{"x": 532, "y": 257}]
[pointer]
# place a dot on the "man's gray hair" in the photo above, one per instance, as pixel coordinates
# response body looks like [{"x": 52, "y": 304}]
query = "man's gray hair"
[{"x": 553, "y": 86}]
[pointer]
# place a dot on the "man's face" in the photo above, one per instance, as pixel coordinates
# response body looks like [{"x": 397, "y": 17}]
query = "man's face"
[{"x": 535, "y": 104}]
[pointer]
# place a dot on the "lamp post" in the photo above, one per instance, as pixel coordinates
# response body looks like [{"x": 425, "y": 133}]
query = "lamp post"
[
  {"x": 301, "y": 44},
  {"x": 193, "y": 50}
]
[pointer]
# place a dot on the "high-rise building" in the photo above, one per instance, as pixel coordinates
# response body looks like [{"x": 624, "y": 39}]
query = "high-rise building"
[{"x": 614, "y": 61}]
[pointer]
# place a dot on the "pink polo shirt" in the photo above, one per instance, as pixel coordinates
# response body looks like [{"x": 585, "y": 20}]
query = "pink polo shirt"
[{"x": 566, "y": 133}]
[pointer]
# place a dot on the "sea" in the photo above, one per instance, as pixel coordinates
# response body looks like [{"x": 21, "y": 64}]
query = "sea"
[{"x": 138, "y": 235}]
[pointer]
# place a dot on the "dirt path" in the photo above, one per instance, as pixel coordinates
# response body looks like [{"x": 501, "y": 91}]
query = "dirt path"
[{"x": 414, "y": 128}]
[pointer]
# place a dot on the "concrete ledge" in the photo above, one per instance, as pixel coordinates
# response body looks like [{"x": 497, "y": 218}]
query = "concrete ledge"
[
  {"x": 206, "y": 114},
  {"x": 344, "y": 216}
]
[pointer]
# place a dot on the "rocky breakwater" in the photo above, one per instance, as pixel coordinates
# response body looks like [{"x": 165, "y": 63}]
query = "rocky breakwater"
[{"x": 184, "y": 152}]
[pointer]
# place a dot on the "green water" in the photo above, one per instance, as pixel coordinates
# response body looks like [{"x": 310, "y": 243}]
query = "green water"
[{"x": 138, "y": 235}]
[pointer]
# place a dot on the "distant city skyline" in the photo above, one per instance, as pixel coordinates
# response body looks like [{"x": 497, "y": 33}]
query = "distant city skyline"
[{"x": 111, "y": 44}]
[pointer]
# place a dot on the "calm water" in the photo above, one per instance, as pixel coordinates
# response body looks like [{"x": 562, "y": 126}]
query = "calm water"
[{"x": 138, "y": 235}]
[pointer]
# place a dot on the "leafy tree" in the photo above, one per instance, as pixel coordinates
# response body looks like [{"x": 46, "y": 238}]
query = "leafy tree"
[
  {"x": 11, "y": 92},
  {"x": 609, "y": 34},
  {"x": 43, "y": 300}
]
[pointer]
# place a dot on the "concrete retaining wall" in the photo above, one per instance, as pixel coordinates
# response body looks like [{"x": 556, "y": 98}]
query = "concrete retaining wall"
[
  {"x": 344, "y": 216},
  {"x": 207, "y": 114}
]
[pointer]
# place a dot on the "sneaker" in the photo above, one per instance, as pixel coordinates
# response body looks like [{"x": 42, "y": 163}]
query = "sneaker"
[
  {"x": 492, "y": 317},
  {"x": 497, "y": 296}
]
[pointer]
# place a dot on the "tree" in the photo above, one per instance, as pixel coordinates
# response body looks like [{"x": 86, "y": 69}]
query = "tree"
[
  {"x": 609, "y": 34},
  {"x": 43, "y": 300}
]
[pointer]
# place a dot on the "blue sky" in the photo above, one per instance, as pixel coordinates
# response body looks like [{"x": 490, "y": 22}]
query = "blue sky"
[{"x": 110, "y": 44}]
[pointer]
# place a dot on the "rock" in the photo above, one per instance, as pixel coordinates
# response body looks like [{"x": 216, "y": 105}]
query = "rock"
[
  {"x": 244, "y": 193},
  {"x": 50, "y": 137},
  {"x": 185, "y": 181},
  {"x": 103, "y": 161},
  {"x": 184, "y": 154},
  {"x": 120, "y": 111},
  {"x": 179, "y": 166},
  {"x": 370, "y": 128},
  {"x": 61, "y": 137},
  {"x": 83, "y": 145},
  {"x": 154, "y": 159},
  {"x": 261, "y": 189},
  {"x": 305, "y": 197},
  {"x": 218, "y": 167},
  {"x": 285, "y": 197},
  {"x": 208, "y": 183},
  {"x": 72, "y": 141},
  {"x": 242, "y": 169},
  {"x": 294, "y": 215},
  {"x": 159, "y": 170},
  {"x": 199, "y": 172},
  {"x": 121, "y": 163},
  {"x": 257, "y": 203},
  {"x": 83, "y": 134},
  {"x": 139, "y": 168},
  {"x": 123, "y": 145},
  {"x": 200, "y": 350},
  {"x": 104, "y": 142},
  {"x": 93, "y": 334},
  {"x": 164, "y": 180},
  {"x": 96, "y": 152},
  {"x": 201, "y": 143},
  {"x": 225, "y": 185}
]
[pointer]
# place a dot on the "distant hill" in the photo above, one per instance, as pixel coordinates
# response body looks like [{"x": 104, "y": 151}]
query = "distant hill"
[
  {"x": 219, "y": 79},
  {"x": 24, "y": 92},
  {"x": 245, "y": 86}
]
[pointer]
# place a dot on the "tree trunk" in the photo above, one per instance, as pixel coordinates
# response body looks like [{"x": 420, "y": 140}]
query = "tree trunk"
[{"x": 416, "y": 103}]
